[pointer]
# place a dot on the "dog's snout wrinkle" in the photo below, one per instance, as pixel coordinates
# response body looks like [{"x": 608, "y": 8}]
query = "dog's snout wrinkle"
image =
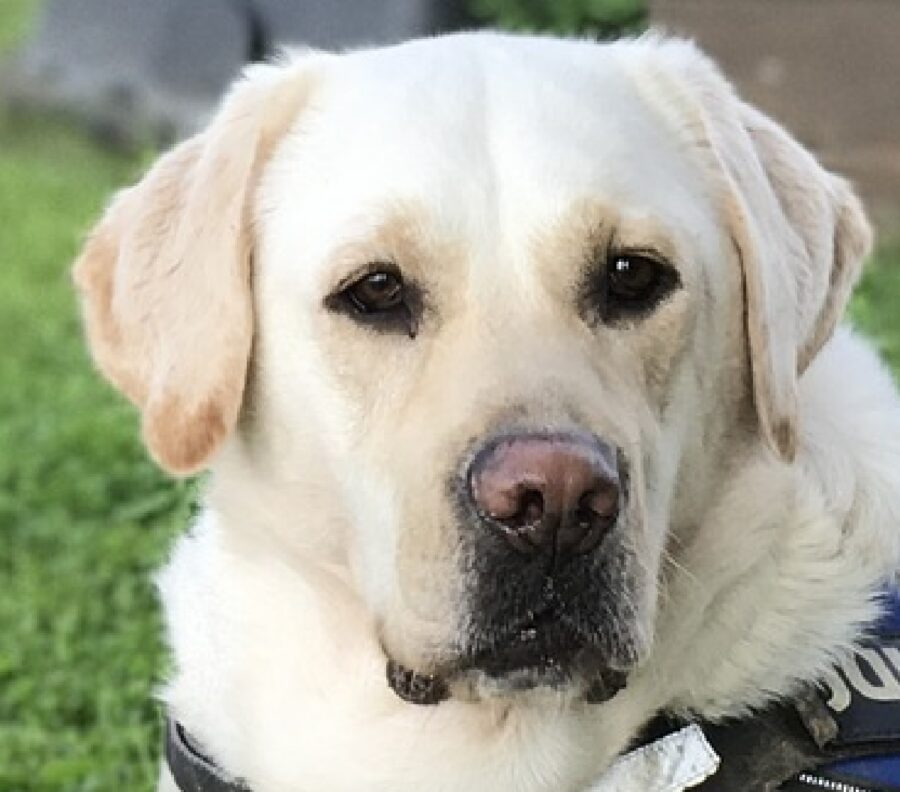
[{"x": 555, "y": 495}]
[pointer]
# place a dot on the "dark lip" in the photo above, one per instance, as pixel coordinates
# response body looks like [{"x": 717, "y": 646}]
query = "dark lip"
[
  {"x": 544, "y": 651},
  {"x": 544, "y": 644}
]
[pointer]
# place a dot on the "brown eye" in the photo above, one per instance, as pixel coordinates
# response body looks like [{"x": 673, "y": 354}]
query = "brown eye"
[
  {"x": 380, "y": 300},
  {"x": 632, "y": 277},
  {"x": 377, "y": 292},
  {"x": 635, "y": 284}
]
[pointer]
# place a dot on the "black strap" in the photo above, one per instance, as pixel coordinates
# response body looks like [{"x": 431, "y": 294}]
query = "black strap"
[
  {"x": 806, "y": 743},
  {"x": 801, "y": 745},
  {"x": 779, "y": 748},
  {"x": 761, "y": 752},
  {"x": 192, "y": 770},
  {"x": 757, "y": 753}
]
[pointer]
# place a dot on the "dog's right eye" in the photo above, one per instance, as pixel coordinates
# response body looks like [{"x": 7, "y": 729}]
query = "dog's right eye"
[
  {"x": 380, "y": 299},
  {"x": 631, "y": 285}
]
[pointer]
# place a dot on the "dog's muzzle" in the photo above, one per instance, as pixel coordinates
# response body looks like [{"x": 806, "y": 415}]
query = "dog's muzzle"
[{"x": 542, "y": 567}]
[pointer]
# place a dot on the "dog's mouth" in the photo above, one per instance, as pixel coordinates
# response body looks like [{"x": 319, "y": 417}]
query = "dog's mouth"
[
  {"x": 545, "y": 651},
  {"x": 544, "y": 646}
]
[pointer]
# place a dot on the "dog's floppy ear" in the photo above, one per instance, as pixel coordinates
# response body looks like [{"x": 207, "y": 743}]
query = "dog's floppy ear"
[
  {"x": 802, "y": 235},
  {"x": 800, "y": 232},
  {"x": 164, "y": 278}
]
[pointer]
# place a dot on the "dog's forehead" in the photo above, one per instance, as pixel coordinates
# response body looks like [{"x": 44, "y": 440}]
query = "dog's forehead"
[{"x": 494, "y": 136}]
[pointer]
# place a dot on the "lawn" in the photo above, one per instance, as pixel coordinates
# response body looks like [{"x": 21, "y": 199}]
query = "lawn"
[
  {"x": 15, "y": 17},
  {"x": 84, "y": 518},
  {"x": 876, "y": 303}
]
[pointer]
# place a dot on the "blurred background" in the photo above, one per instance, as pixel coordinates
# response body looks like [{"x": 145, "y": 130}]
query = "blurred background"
[{"x": 90, "y": 90}]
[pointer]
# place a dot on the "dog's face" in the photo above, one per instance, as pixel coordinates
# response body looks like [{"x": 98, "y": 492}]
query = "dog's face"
[
  {"x": 509, "y": 298},
  {"x": 492, "y": 328}
]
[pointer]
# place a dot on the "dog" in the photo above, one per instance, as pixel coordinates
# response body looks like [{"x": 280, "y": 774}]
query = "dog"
[{"x": 514, "y": 361}]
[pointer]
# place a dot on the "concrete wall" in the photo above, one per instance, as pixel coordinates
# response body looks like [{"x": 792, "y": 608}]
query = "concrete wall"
[
  {"x": 154, "y": 69},
  {"x": 828, "y": 69}
]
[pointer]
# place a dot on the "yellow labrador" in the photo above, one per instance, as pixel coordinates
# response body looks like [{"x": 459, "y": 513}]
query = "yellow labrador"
[{"x": 514, "y": 362}]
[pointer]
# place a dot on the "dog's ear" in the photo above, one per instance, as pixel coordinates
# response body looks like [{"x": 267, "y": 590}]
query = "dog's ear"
[
  {"x": 164, "y": 278},
  {"x": 802, "y": 235},
  {"x": 800, "y": 232}
]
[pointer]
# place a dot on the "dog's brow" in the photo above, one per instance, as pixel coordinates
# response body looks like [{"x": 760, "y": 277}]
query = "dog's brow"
[
  {"x": 396, "y": 235},
  {"x": 406, "y": 236},
  {"x": 578, "y": 237},
  {"x": 574, "y": 235}
]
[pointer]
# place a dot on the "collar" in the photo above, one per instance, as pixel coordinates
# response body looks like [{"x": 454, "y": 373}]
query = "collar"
[
  {"x": 842, "y": 735},
  {"x": 192, "y": 769}
]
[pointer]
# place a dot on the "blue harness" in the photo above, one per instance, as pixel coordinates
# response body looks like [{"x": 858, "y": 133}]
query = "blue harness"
[
  {"x": 843, "y": 736},
  {"x": 868, "y": 690}
]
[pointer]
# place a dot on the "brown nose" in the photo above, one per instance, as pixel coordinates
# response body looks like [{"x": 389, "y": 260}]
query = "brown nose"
[{"x": 550, "y": 494}]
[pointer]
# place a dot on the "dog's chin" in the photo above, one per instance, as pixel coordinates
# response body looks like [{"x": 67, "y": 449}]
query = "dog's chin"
[
  {"x": 518, "y": 669},
  {"x": 567, "y": 669}
]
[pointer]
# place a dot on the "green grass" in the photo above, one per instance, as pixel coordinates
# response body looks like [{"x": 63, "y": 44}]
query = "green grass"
[
  {"x": 84, "y": 517},
  {"x": 876, "y": 303},
  {"x": 15, "y": 18}
]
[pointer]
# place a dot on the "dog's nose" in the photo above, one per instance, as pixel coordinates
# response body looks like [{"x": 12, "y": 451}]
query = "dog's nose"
[{"x": 550, "y": 494}]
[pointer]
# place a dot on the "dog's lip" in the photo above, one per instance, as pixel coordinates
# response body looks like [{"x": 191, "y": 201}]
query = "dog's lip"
[
  {"x": 416, "y": 687},
  {"x": 544, "y": 648},
  {"x": 544, "y": 642},
  {"x": 549, "y": 616},
  {"x": 528, "y": 661},
  {"x": 527, "y": 639}
]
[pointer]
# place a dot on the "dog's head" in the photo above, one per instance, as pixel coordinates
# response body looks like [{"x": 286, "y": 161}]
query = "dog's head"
[{"x": 476, "y": 319}]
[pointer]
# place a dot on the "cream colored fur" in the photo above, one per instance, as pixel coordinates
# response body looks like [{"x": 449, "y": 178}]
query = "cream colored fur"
[{"x": 767, "y": 446}]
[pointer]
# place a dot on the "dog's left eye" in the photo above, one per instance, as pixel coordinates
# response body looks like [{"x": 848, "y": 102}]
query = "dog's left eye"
[
  {"x": 381, "y": 300},
  {"x": 376, "y": 292}
]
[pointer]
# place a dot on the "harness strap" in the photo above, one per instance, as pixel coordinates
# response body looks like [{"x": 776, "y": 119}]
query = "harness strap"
[
  {"x": 192, "y": 770},
  {"x": 757, "y": 754}
]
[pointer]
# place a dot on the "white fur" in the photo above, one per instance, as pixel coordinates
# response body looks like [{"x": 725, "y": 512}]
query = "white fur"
[{"x": 272, "y": 597}]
